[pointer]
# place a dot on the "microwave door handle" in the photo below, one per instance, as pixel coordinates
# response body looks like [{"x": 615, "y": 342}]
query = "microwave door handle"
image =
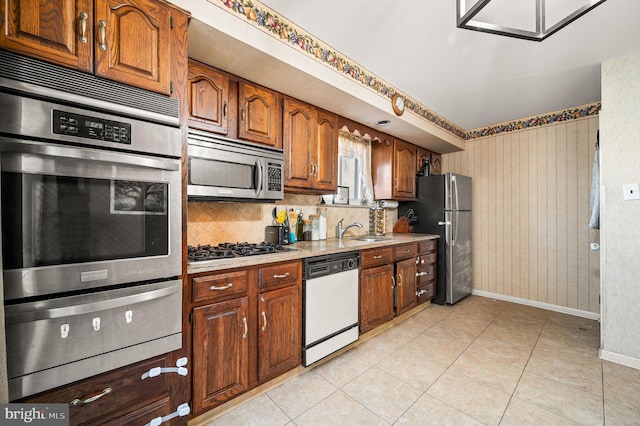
[
  {"x": 260, "y": 176},
  {"x": 16, "y": 314}
]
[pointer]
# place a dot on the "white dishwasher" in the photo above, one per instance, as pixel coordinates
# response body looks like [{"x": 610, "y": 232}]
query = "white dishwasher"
[{"x": 330, "y": 304}]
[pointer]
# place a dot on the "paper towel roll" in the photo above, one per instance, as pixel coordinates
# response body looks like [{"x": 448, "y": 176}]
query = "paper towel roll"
[{"x": 388, "y": 204}]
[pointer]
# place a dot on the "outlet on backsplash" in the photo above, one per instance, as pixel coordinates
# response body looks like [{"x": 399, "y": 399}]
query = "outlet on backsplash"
[{"x": 211, "y": 222}]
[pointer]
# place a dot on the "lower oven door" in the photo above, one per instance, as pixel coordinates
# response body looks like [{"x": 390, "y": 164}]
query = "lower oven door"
[
  {"x": 58, "y": 341},
  {"x": 80, "y": 218}
]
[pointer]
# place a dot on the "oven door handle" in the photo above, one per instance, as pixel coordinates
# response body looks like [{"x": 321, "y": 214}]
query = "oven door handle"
[
  {"x": 35, "y": 311},
  {"x": 13, "y": 146}
]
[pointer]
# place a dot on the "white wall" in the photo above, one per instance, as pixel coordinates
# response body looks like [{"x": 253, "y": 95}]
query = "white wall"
[{"x": 620, "y": 164}]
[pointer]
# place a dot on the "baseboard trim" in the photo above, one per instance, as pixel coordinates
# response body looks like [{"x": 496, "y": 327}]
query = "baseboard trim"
[
  {"x": 617, "y": 358},
  {"x": 536, "y": 304}
]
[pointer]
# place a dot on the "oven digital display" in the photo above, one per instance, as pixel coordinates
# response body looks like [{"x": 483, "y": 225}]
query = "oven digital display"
[{"x": 83, "y": 126}]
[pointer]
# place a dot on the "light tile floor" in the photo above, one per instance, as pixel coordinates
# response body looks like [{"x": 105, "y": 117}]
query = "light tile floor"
[{"x": 480, "y": 361}]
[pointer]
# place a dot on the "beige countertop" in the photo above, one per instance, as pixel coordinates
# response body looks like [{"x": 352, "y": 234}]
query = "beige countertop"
[{"x": 302, "y": 249}]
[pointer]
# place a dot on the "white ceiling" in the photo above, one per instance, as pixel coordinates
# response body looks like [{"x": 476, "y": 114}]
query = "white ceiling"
[{"x": 470, "y": 78}]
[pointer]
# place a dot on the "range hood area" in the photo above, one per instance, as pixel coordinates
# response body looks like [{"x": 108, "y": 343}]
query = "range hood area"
[{"x": 219, "y": 39}]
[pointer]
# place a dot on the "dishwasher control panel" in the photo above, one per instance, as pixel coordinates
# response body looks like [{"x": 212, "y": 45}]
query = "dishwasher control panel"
[{"x": 320, "y": 266}]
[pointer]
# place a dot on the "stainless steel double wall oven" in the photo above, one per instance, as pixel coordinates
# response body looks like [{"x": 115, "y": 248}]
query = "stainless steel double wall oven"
[{"x": 91, "y": 224}]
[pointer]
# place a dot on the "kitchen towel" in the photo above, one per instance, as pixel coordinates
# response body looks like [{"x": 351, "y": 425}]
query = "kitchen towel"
[
  {"x": 594, "y": 199},
  {"x": 386, "y": 204}
]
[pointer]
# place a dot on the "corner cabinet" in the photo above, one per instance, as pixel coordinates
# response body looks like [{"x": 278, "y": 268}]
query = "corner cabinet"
[
  {"x": 310, "y": 140},
  {"x": 393, "y": 169},
  {"x": 259, "y": 115},
  {"x": 128, "y": 42}
]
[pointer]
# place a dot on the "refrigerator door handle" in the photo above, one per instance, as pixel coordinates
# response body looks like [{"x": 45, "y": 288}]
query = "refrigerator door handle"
[{"x": 444, "y": 223}]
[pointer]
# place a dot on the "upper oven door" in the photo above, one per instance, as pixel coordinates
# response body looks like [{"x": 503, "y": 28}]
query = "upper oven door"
[{"x": 80, "y": 218}]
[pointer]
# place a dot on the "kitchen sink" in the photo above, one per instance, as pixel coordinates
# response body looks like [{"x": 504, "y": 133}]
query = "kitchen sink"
[{"x": 370, "y": 239}]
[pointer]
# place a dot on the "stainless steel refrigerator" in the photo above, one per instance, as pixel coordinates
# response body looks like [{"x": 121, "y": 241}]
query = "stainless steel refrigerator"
[{"x": 443, "y": 207}]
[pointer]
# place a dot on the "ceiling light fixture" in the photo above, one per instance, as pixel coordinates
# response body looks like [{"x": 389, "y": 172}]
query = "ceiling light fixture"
[
  {"x": 506, "y": 17},
  {"x": 383, "y": 123}
]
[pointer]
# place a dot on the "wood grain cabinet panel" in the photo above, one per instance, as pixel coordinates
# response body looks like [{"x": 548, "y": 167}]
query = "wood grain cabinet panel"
[
  {"x": 57, "y": 31},
  {"x": 393, "y": 163},
  {"x": 376, "y": 297},
  {"x": 132, "y": 43},
  {"x": 220, "y": 352},
  {"x": 326, "y": 150},
  {"x": 279, "y": 319},
  {"x": 405, "y": 285},
  {"x": 209, "y": 99},
  {"x": 260, "y": 115},
  {"x": 129, "y": 42}
]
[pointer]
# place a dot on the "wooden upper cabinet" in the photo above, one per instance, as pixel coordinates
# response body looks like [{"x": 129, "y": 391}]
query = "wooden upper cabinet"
[
  {"x": 404, "y": 160},
  {"x": 393, "y": 165},
  {"x": 326, "y": 150},
  {"x": 123, "y": 41},
  {"x": 132, "y": 43},
  {"x": 299, "y": 146},
  {"x": 210, "y": 102},
  {"x": 56, "y": 31},
  {"x": 436, "y": 164},
  {"x": 310, "y": 140},
  {"x": 260, "y": 116}
]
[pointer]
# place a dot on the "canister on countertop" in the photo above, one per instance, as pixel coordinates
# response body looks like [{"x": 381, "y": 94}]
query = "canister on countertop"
[
  {"x": 315, "y": 227},
  {"x": 322, "y": 222}
]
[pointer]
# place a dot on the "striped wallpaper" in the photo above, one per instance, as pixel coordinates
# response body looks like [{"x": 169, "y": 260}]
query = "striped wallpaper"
[{"x": 531, "y": 211}]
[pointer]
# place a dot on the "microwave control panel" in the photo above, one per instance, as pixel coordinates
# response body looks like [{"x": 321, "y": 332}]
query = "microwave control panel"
[
  {"x": 274, "y": 177},
  {"x": 84, "y": 126}
]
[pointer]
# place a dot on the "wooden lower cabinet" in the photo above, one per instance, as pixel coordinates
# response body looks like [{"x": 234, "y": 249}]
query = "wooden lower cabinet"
[
  {"x": 247, "y": 329},
  {"x": 426, "y": 268},
  {"x": 119, "y": 397},
  {"x": 376, "y": 296},
  {"x": 405, "y": 285},
  {"x": 279, "y": 341},
  {"x": 220, "y": 352}
]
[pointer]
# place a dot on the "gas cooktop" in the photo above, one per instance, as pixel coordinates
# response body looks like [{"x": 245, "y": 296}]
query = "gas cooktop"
[{"x": 228, "y": 250}]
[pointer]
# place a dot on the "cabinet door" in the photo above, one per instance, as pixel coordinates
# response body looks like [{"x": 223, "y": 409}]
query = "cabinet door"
[
  {"x": 405, "y": 285},
  {"x": 298, "y": 144},
  {"x": 326, "y": 150},
  {"x": 404, "y": 161},
  {"x": 220, "y": 353},
  {"x": 376, "y": 297},
  {"x": 259, "y": 115},
  {"x": 56, "y": 31},
  {"x": 209, "y": 101},
  {"x": 436, "y": 164},
  {"x": 280, "y": 325},
  {"x": 132, "y": 43}
]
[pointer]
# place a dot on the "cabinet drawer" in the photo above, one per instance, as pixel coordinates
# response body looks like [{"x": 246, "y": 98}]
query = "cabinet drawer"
[
  {"x": 213, "y": 287},
  {"x": 426, "y": 292},
  {"x": 405, "y": 251},
  {"x": 427, "y": 259},
  {"x": 425, "y": 246},
  {"x": 425, "y": 273},
  {"x": 120, "y": 391},
  {"x": 373, "y": 257},
  {"x": 279, "y": 275}
]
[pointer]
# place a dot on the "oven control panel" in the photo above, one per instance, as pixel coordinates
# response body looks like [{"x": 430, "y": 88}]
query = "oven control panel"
[{"x": 84, "y": 126}]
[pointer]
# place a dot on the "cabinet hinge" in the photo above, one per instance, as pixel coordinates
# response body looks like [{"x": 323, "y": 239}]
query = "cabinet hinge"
[
  {"x": 191, "y": 317},
  {"x": 171, "y": 22},
  {"x": 171, "y": 87},
  {"x": 282, "y": 103}
]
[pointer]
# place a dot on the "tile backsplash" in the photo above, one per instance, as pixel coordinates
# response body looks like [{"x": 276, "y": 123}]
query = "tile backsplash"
[{"x": 215, "y": 222}]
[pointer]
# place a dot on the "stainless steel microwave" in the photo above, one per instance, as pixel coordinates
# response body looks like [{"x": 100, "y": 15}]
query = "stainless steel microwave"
[{"x": 228, "y": 169}]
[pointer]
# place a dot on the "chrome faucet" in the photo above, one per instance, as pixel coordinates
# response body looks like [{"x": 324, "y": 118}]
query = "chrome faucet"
[{"x": 342, "y": 230}]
